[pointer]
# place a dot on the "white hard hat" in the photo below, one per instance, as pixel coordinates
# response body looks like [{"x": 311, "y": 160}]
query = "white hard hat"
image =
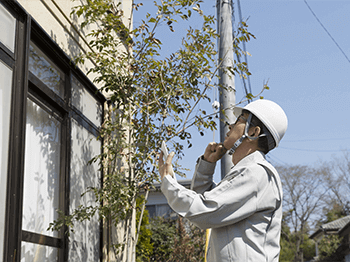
[{"x": 270, "y": 114}]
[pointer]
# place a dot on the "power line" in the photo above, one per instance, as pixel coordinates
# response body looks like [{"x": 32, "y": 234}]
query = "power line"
[
  {"x": 312, "y": 140},
  {"x": 275, "y": 159},
  {"x": 327, "y": 31},
  {"x": 312, "y": 150},
  {"x": 245, "y": 89},
  {"x": 244, "y": 46}
]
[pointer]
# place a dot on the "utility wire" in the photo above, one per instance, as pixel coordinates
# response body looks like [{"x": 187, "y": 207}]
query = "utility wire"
[
  {"x": 311, "y": 140},
  {"x": 244, "y": 46},
  {"x": 274, "y": 159},
  {"x": 311, "y": 150},
  {"x": 243, "y": 80},
  {"x": 327, "y": 31},
  {"x": 245, "y": 90}
]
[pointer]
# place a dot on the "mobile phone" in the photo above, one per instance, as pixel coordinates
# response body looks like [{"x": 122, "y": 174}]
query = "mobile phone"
[{"x": 165, "y": 150}]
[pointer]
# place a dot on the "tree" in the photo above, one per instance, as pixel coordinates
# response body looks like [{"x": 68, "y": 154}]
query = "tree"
[
  {"x": 329, "y": 243},
  {"x": 144, "y": 247},
  {"x": 176, "y": 240},
  {"x": 189, "y": 244},
  {"x": 289, "y": 241},
  {"x": 337, "y": 173},
  {"x": 304, "y": 197},
  {"x": 163, "y": 238},
  {"x": 287, "y": 244},
  {"x": 327, "y": 247},
  {"x": 151, "y": 97}
]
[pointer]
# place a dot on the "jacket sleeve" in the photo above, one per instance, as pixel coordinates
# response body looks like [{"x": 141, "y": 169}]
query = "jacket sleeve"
[
  {"x": 231, "y": 201},
  {"x": 203, "y": 176}
]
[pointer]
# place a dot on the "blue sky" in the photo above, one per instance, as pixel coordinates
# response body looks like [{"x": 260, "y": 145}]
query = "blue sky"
[{"x": 307, "y": 74}]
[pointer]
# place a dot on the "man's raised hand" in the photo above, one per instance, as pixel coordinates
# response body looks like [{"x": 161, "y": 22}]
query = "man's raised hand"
[{"x": 214, "y": 152}]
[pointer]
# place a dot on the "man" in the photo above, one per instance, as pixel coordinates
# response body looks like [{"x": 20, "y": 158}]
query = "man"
[{"x": 244, "y": 210}]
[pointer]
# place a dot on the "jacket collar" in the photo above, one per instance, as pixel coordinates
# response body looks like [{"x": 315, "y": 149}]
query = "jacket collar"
[{"x": 256, "y": 157}]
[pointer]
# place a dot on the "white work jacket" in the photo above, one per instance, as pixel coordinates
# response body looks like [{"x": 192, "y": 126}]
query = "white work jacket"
[{"x": 244, "y": 210}]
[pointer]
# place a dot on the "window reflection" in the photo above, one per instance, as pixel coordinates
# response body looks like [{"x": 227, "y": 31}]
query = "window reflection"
[
  {"x": 85, "y": 241},
  {"x": 86, "y": 103},
  {"x": 35, "y": 253},
  {"x": 42, "y": 166},
  {"x": 5, "y": 109},
  {"x": 44, "y": 69},
  {"x": 8, "y": 29}
]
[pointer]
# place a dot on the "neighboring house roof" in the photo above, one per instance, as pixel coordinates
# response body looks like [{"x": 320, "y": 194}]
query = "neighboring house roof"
[
  {"x": 157, "y": 204},
  {"x": 331, "y": 227},
  {"x": 336, "y": 224},
  {"x": 345, "y": 230}
]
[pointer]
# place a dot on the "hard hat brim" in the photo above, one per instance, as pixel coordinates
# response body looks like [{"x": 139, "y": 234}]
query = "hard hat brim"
[{"x": 237, "y": 111}]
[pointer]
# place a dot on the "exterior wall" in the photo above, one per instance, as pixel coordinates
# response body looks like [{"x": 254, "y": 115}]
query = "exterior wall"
[{"x": 157, "y": 205}]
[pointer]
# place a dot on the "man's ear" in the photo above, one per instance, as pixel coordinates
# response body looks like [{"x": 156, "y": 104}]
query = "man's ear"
[{"x": 255, "y": 131}]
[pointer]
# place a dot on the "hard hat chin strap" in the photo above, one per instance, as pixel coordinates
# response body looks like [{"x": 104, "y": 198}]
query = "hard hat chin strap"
[{"x": 240, "y": 140}]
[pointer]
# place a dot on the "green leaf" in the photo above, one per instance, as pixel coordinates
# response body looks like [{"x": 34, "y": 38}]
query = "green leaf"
[{"x": 152, "y": 20}]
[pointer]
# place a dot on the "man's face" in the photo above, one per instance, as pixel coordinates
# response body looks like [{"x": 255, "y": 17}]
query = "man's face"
[{"x": 236, "y": 130}]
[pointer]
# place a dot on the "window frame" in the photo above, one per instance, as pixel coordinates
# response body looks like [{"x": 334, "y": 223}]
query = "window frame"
[{"x": 27, "y": 85}]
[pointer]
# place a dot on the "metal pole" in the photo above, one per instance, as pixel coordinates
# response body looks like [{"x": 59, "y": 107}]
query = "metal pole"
[{"x": 227, "y": 95}]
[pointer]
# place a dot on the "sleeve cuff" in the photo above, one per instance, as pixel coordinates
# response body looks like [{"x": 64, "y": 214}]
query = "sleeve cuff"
[{"x": 204, "y": 167}]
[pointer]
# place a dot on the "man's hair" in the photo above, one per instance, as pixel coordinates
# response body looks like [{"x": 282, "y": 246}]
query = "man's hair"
[{"x": 263, "y": 142}]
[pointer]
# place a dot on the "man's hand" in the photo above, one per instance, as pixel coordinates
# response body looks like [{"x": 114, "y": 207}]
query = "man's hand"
[
  {"x": 166, "y": 168},
  {"x": 214, "y": 152}
]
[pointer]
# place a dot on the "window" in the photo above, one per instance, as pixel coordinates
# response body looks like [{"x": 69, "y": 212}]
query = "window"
[
  {"x": 7, "y": 29},
  {"x": 85, "y": 102},
  {"x": 50, "y": 115},
  {"x": 160, "y": 210},
  {"x": 7, "y": 46},
  {"x": 85, "y": 241},
  {"x": 41, "y": 170},
  {"x": 45, "y": 166},
  {"x": 36, "y": 252},
  {"x": 5, "y": 98},
  {"x": 45, "y": 70}
]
